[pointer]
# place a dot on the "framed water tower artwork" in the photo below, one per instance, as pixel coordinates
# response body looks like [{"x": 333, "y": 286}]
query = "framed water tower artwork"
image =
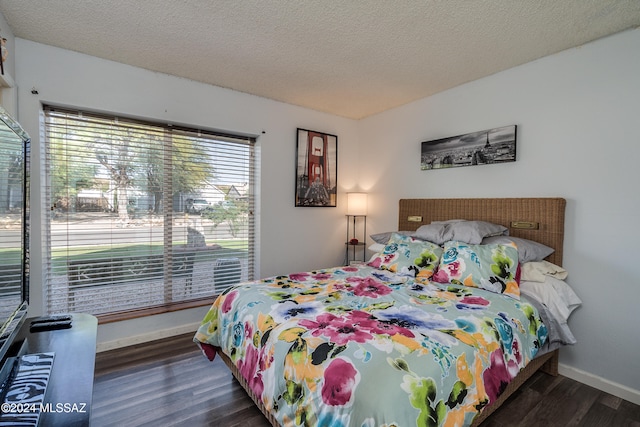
[
  {"x": 497, "y": 145},
  {"x": 316, "y": 168}
]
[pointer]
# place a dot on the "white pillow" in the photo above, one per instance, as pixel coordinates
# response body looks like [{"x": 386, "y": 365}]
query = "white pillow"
[
  {"x": 539, "y": 270},
  {"x": 557, "y": 301},
  {"x": 556, "y": 294},
  {"x": 376, "y": 247}
]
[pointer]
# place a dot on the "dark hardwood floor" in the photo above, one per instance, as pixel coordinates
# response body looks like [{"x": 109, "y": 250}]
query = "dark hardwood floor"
[{"x": 170, "y": 383}]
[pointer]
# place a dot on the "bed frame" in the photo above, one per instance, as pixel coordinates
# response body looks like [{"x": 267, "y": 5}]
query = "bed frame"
[{"x": 538, "y": 219}]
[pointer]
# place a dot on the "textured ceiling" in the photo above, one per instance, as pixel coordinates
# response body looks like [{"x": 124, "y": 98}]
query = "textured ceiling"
[{"x": 352, "y": 58}]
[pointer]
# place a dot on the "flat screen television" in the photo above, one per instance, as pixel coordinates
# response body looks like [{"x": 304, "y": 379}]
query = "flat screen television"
[{"x": 14, "y": 232}]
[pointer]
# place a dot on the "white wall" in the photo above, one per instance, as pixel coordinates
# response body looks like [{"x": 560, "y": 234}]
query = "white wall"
[
  {"x": 291, "y": 239},
  {"x": 578, "y": 124}
]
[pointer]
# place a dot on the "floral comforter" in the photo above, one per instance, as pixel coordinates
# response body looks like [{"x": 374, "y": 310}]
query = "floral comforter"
[{"x": 357, "y": 346}]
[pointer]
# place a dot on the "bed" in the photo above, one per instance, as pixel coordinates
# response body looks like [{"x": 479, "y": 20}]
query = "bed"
[{"x": 386, "y": 344}]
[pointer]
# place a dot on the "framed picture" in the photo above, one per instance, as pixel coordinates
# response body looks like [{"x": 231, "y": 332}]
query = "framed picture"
[
  {"x": 316, "y": 168},
  {"x": 497, "y": 145}
]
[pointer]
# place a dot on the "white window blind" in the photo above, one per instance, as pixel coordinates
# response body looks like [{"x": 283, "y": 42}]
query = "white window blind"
[
  {"x": 144, "y": 215},
  {"x": 13, "y": 263}
]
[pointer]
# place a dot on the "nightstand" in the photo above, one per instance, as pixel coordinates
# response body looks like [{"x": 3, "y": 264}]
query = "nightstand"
[{"x": 356, "y": 247}]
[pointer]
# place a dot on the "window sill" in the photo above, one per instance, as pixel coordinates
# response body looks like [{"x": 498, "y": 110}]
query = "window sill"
[{"x": 150, "y": 311}]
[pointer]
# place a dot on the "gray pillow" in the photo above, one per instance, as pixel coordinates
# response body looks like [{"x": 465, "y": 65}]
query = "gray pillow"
[
  {"x": 528, "y": 250},
  {"x": 384, "y": 237},
  {"x": 471, "y": 232},
  {"x": 434, "y": 232}
]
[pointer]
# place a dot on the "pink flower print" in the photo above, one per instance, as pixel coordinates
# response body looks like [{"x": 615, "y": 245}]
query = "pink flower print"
[
  {"x": 298, "y": 277},
  {"x": 340, "y": 380},
  {"x": 371, "y": 288},
  {"x": 340, "y": 330},
  {"x": 228, "y": 301}
]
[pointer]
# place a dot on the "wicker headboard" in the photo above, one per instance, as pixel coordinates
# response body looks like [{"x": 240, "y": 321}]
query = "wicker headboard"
[{"x": 547, "y": 213}]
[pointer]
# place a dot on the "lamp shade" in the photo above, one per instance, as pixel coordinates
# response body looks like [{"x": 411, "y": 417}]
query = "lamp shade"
[{"x": 356, "y": 203}]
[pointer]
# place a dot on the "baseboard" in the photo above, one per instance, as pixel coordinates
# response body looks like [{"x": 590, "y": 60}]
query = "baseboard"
[
  {"x": 619, "y": 390},
  {"x": 151, "y": 336}
]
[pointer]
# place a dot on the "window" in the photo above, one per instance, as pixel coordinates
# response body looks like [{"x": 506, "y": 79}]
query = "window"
[{"x": 144, "y": 217}]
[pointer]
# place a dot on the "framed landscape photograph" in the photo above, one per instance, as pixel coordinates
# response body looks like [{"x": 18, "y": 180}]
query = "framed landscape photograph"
[
  {"x": 316, "y": 168},
  {"x": 497, "y": 145}
]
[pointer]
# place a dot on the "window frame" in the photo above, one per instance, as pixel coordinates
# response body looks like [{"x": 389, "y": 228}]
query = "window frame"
[{"x": 168, "y": 213}]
